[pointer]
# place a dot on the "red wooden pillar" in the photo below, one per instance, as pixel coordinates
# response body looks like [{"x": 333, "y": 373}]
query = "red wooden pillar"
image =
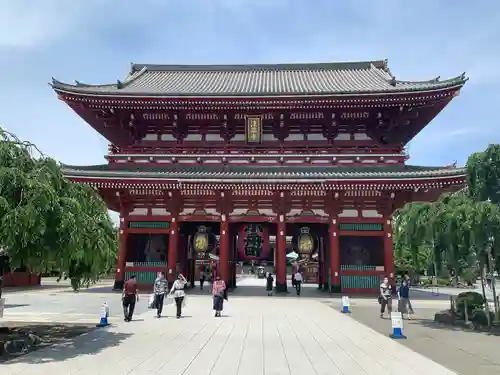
[
  {"x": 281, "y": 255},
  {"x": 335, "y": 286},
  {"x": 184, "y": 255},
  {"x": 122, "y": 252},
  {"x": 224, "y": 271},
  {"x": 173, "y": 243},
  {"x": 389, "y": 251}
]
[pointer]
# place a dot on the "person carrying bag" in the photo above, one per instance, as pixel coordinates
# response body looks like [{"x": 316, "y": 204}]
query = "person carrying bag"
[
  {"x": 159, "y": 291},
  {"x": 219, "y": 292}
]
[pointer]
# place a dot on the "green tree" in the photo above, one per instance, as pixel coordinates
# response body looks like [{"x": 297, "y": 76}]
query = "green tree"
[
  {"x": 47, "y": 221},
  {"x": 414, "y": 235},
  {"x": 458, "y": 230},
  {"x": 483, "y": 175}
]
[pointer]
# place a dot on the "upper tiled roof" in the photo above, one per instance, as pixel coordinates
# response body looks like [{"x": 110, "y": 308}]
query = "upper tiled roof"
[
  {"x": 251, "y": 173},
  {"x": 341, "y": 78}
]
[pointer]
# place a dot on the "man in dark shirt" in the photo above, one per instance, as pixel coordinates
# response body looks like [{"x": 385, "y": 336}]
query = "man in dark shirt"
[{"x": 129, "y": 298}]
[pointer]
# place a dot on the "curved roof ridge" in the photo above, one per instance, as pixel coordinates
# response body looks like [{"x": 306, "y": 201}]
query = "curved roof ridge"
[
  {"x": 55, "y": 83},
  {"x": 437, "y": 79},
  {"x": 383, "y": 73},
  {"x": 342, "y": 65},
  {"x": 133, "y": 75}
]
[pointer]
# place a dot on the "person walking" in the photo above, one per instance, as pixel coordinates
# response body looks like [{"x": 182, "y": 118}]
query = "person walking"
[
  {"x": 177, "y": 292},
  {"x": 219, "y": 294},
  {"x": 408, "y": 282},
  {"x": 269, "y": 284},
  {"x": 385, "y": 297},
  {"x": 404, "y": 306},
  {"x": 160, "y": 289},
  {"x": 130, "y": 296},
  {"x": 298, "y": 281},
  {"x": 202, "y": 278}
]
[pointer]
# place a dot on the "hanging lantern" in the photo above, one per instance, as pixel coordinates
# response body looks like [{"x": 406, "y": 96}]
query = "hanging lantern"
[
  {"x": 305, "y": 243},
  {"x": 200, "y": 240},
  {"x": 253, "y": 242}
]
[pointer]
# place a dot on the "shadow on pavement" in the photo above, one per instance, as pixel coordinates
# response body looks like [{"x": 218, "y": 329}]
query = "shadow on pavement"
[
  {"x": 87, "y": 344},
  {"x": 13, "y": 306},
  {"x": 98, "y": 289},
  {"x": 466, "y": 353},
  {"x": 430, "y": 323},
  {"x": 19, "y": 289},
  {"x": 429, "y": 295}
]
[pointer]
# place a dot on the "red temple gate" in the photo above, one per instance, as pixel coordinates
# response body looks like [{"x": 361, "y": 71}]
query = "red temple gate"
[{"x": 272, "y": 147}]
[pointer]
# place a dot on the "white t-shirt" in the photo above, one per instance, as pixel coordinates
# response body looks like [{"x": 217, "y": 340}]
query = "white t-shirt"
[{"x": 298, "y": 276}]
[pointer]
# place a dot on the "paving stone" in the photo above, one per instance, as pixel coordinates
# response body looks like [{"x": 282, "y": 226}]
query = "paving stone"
[{"x": 258, "y": 335}]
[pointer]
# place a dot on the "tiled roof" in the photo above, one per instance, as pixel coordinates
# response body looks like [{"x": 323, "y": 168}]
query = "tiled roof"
[
  {"x": 366, "y": 77},
  {"x": 183, "y": 172}
]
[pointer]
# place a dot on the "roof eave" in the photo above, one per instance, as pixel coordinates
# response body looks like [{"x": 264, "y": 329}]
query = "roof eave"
[
  {"x": 74, "y": 90},
  {"x": 394, "y": 176}
]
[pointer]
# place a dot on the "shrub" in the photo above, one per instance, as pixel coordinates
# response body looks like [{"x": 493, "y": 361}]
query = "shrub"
[
  {"x": 475, "y": 301},
  {"x": 427, "y": 281},
  {"x": 443, "y": 282},
  {"x": 480, "y": 317}
]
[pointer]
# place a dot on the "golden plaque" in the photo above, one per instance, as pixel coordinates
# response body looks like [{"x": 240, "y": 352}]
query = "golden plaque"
[{"x": 254, "y": 129}]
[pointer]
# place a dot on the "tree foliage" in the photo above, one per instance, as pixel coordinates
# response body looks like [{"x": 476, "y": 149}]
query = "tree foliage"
[
  {"x": 483, "y": 175},
  {"x": 49, "y": 222},
  {"x": 459, "y": 228}
]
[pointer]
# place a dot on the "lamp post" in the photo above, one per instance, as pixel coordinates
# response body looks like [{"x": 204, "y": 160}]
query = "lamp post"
[
  {"x": 491, "y": 271},
  {"x": 492, "y": 275}
]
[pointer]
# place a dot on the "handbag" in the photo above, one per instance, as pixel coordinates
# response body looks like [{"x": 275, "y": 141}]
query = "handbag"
[
  {"x": 151, "y": 302},
  {"x": 219, "y": 294},
  {"x": 169, "y": 299}
]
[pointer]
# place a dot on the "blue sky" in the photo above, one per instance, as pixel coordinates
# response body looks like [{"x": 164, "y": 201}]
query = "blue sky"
[{"x": 94, "y": 41}]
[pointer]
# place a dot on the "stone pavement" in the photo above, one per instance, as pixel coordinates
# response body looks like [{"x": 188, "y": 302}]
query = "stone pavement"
[
  {"x": 257, "y": 335},
  {"x": 467, "y": 353}
]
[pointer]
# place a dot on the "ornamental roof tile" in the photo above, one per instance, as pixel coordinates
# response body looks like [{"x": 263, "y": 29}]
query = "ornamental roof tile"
[
  {"x": 340, "y": 78},
  {"x": 250, "y": 173}
]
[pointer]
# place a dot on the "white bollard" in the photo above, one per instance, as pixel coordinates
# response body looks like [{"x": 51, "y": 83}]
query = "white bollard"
[
  {"x": 397, "y": 326},
  {"x": 103, "y": 321},
  {"x": 345, "y": 305}
]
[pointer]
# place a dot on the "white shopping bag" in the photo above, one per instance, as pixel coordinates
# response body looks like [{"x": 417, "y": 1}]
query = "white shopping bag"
[
  {"x": 151, "y": 302},
  {"x": 169, "y": 299}
]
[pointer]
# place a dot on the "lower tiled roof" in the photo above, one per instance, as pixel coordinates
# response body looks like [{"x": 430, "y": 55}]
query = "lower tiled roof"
[{"x": 257, "y": 172}]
